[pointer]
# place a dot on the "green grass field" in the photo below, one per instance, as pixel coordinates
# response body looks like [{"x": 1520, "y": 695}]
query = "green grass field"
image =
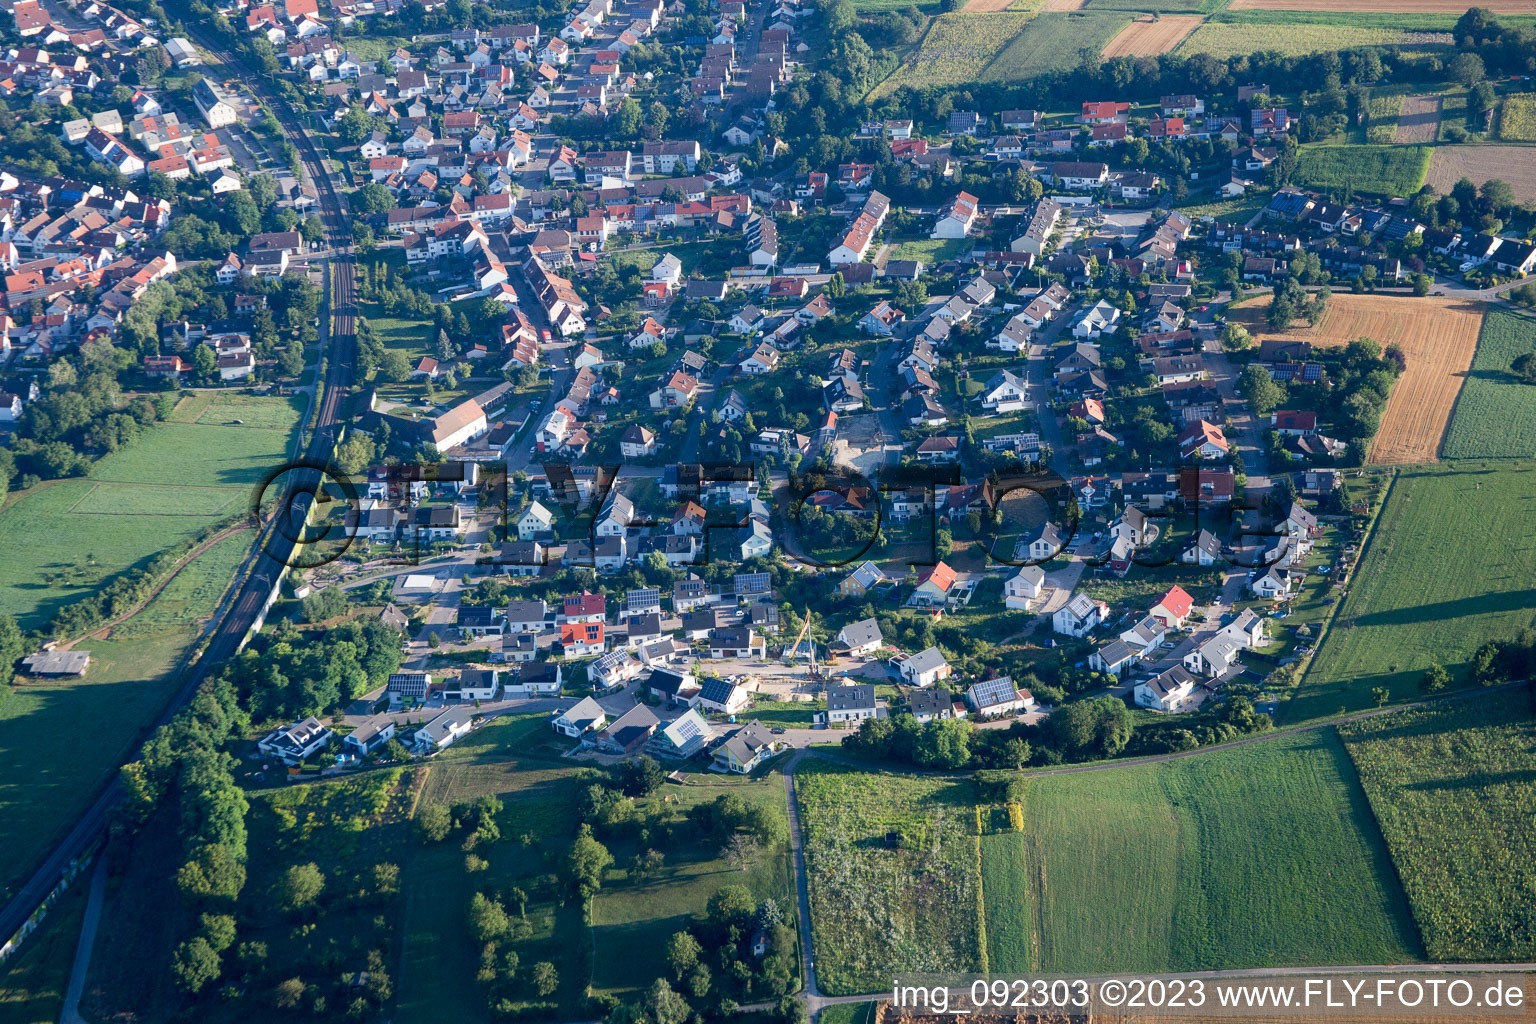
[
  {"x": 1054, "y": 41},
  {"x": 105, "y": 714},
  {"x": 631, "y": 923},
  {"x": 1495, "y": 413},
  {"x": 63, "y": 539},
  {"x": 1005, "y": 887},
  {"x": 1257, "y": 856},
  {"x": 1377, "y": 170},
  {"x": 1448, "y": 567},
  {"x": 930, "y": 250},
  {"x": 1452, "y": 788},
  {"x": 504, "y": 758},
  {"x": 878, "y": 906}
]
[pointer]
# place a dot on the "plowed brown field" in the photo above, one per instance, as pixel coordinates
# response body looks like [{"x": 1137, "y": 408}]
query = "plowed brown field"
[
  {"x": 1384, "y": 6},
  {"x": 1437, "y": 335},
  {"x": 985, "y": 6},
  {"x": 1150, "y": 38},
  {"x": 1063, "y": 5},
  {"x": 1418, "y": 121},
  {"x": 1514, "y": 164}
]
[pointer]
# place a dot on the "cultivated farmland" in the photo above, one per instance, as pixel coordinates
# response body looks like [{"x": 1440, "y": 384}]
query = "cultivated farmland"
[
  {"x": 892, "y": 864},
  {"x": 1496, "y": 414},
  {"x": 1150, "y": 38},
  {"x": 1241, "y": 858},
  {"x": 1517, "y": 118},
  {"x": 956, "y": 48},
  {"x": 1437, "y": 335},
  {"x": 1381, "y": 113},
  {"x": 1224, "y": 39},
  {"x": 1466, "y": 528},
  {"x": 1418, "y": 121},
  {"x": 1054, "y": 42},
  {"x": 1378, "y": 170},
  {"x": 1384, "y": 6},
  {"x": 1063, "y": 5},
  {"x": 1451, "y": 787},
  {"x": 1514, "y": 164}
]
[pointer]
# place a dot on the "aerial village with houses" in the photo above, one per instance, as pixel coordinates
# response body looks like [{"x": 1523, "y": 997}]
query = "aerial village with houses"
[{"x": 692, "y": 403}]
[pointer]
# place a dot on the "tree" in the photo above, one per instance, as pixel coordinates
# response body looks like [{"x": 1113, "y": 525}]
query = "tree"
[
  {"x": 1524, "y": 367},
  {"x": 1436, "y": 678},
  {"x": 682, "y": 953},
  {"x": 219, "y": 930},
  {"x": 544, "y": 977},
  {"x": 12, "y": 644},
  {"x": 194, "y": 964},
  {"x": 585, "y": 862},
  {"x": 301, "y": 886},
  {"x": 433, "y": 823},
  {"x": 372, "y": 198},
  {"x": 395, "y": 366},
  {"x": 1380, "y": 694},
  {"x": 488, "y": 919},
  {"x": 731, "y": 905},
  {"x": 1263, "y": 394},
  {"x": 204, "y": 363},
  {"x": 288, "y": 993},
  {"x": 1235, "y": 337},
  {"x": 1468, "y": 69},
  {"x": 664, "y": 1004}
]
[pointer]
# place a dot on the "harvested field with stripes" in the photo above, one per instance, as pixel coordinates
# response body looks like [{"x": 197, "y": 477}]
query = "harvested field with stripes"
[
  {"x": 1418, "y": 121},
  {"x": 1150, "y": 38}
]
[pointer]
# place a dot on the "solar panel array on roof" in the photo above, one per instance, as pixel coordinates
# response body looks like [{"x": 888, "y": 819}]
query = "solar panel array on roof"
[
  {"x": 994, "y": 691},
  {"x": 749, "y": 583},
  {"x": 640, "y": 600}
]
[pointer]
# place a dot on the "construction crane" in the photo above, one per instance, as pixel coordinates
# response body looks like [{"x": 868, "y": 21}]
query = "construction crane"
[{"x": 804, "y": 637}]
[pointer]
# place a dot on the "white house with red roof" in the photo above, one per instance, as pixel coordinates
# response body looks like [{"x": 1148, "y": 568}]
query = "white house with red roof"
[{"x": 1173, "y": 607}]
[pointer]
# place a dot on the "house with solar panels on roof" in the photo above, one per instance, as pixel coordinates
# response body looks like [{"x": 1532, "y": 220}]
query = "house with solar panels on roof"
[
  {"x": 723, "y": 696},
  {"x": 993, "y": 698},
  {"x": 683, "y": 737}
]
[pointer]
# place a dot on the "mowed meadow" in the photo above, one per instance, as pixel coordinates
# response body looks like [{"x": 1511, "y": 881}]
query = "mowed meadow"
[
  {"x": 1256, "y": 856},
  {"x": 1261, "y": 855},
  {"x": 1448, "y": 567},
  {"x": 1454, "y": 788},
  {"x": 64, "y": 538},
  {"x": 1496, "y": 412}
]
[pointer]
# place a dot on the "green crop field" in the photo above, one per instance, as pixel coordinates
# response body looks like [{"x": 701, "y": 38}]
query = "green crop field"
[
  {"x": 1054, "y": 41},
  {"x": 105, "y": 714},
  {"x": 1381, "y": 115},
  {"x": 64, "y": 538},
  {"x": 1257, "y": 856},
  {"x": 1223, "y": 39},
  {"x": 1495, "y": 413},
  {"x": 1377, "y": 170},
  {"x": 1517, "y": 117},
  {"x": 1451, "y": 786},
  {"x": 892, "y": 864},
  {"x": 956, "y": 48},
  {"x": 1448, "y": 567}
]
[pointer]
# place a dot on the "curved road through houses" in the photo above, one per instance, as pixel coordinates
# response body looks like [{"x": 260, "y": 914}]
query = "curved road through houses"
[{"x": 277, "y": 544}]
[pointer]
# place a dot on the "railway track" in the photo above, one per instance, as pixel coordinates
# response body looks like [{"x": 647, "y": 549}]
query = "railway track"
[{"x": 277, "y": 544}]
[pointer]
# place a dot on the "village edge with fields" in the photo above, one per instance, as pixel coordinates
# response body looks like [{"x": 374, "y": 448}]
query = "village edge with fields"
[{"x": 692, "y": 511}]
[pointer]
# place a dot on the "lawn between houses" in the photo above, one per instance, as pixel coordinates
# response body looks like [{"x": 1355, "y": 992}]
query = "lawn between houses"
[{"x": 1448, "y": 567}]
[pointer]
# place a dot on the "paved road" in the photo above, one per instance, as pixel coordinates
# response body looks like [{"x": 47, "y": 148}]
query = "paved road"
[{"x": 77, "y": 974}]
